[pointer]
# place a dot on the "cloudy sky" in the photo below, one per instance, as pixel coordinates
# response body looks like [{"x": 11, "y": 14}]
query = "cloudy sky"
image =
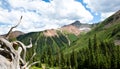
[{"x": 46, "y": 14}]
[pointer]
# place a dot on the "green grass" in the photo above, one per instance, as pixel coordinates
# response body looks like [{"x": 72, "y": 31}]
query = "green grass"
[
  {"x": 72, "y": 37},
  {"x": 35, "y": 67}
]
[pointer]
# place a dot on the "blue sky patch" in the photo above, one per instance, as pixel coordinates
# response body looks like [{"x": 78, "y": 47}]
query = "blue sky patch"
[
  {"x": 5, "y": 5},
  {"x": 46, "y": 0},
  {"x": 96, "y": 18}
]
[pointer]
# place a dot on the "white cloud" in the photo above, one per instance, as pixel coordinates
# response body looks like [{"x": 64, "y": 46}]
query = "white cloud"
[
  {"x": 39, "y": 15},
  {"x": 105, "y": 15},
  {"x": 105, "y": 7},
  {"x": 4, "y": 29}
]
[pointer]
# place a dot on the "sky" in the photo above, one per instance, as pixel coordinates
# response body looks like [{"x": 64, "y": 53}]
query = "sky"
[{"x": 39, "y": 15}]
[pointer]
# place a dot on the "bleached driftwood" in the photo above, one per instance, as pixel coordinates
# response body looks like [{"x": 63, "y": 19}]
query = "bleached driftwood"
[{"x": 16, "y": 60}]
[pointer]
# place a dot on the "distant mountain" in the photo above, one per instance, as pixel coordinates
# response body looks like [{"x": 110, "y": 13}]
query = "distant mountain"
[
  {"x": 14, "y": 34},
  {"x": 77, "y": 27},
  {"x": 83, "y": 27},
  {"x": 109, "y": 29},
  {"x": 76, "y": 24}
]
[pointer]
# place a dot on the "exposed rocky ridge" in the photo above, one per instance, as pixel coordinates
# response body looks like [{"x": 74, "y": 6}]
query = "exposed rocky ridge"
[
  {"x": 78, "y": 24},
  {"x": 70, "y": 29},
  {"x": 66, "y": 29},
  {"x": 75, "y": 28},
  {"x": 83, "y": 27},
  {"x": 50, "y": 32}
]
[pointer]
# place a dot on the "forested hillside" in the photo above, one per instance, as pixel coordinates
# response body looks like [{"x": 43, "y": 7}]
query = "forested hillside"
[
  {"x": 47, "y": 47},
  {"x": 97, "y": 49}
]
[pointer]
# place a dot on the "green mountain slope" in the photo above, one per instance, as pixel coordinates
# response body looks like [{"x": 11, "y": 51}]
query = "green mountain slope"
[
  {"x": 109, "y": 29},
  {"x": 44, "y": 42},
  {"x": 55, "y": 39},
  {"x": 41, "y": 42},
  {"x": 99, "y": 48}
]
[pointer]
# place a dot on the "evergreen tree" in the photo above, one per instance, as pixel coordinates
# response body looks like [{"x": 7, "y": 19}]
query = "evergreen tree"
[{"x": 73, "y": 59}]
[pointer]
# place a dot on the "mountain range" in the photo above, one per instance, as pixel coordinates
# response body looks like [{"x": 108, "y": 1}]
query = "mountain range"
[
  {"x": 109, "y": 29},
  {"x": 71, "y": 34},
  {"x": 91, "y": 41},
  {"x": 60, "y": 38}
]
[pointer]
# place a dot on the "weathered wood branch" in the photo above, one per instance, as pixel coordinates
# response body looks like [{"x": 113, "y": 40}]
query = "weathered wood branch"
[
  {"x": 28, "y": 63},
  {"x": 8, "y": 34},
  {"x": 8, "y": 45},
  {"x": 32, "y": 64},
  {"x": 24, "y": 47}
]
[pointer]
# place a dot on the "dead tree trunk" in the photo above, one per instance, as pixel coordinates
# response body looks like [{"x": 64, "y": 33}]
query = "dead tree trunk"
[{"x": 16, "y": 60}]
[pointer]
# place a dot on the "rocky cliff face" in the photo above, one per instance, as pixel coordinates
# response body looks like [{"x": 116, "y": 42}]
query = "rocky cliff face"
[{"x": 70, "y": 29}]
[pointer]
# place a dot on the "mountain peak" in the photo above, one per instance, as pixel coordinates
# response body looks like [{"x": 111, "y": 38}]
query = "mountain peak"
[{"x": 76, "y": 24}]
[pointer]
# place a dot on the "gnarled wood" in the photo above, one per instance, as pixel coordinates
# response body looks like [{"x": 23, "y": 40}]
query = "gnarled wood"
[{"x": 16, "y": 59}]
